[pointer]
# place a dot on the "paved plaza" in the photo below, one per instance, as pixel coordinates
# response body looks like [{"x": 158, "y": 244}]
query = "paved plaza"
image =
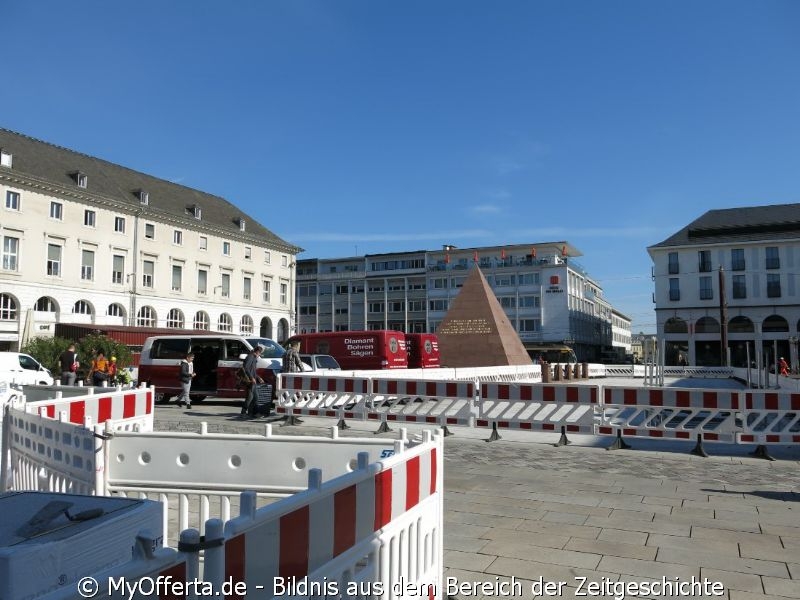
[{"x": 521, "y": 508}]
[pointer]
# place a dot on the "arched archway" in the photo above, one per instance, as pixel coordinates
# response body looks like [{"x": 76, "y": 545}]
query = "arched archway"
[
  {"x": 265, "y": 328},
  {"x": 283, "y": 330},
  {"x": 775, "y": 324},
  {"x": 46, "y": 304},
  {"x": 175, "y": 319},
  {"x": 706, "y": 325},
  {"x": 246, "y": 325},
  {"x": 202, "y": 321},
  {"x": 147, "y": 317},
  {"x": 225, "y": 323},
  {"x": 676, "y": 325},
  {"x": 741, "y": 325},
  {"x": 116, "y": 310}
]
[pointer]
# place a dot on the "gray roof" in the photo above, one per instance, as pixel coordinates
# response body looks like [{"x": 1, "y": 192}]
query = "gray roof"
[
  {"x": 37, "y": 162},
  {"x": 752, "y": 223}
]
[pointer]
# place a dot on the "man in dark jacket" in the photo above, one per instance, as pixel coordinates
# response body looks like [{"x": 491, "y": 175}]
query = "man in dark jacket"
[
  {"x": 250, "y": 364},
  {"x": 69, "y": 365},
  {"x": 186, "y": 376},
  {"x": 291, "y": 360}
]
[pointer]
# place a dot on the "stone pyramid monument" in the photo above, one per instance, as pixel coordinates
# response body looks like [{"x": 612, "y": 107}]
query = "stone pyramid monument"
[{"x": 476, "y": 332}]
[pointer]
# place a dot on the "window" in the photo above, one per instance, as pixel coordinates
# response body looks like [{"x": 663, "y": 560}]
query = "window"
[
  {"x": 437, "y": 304},
  {"x": 10, "y": 253},
  {"x": 737, "y": 259},
  {"x": 201, "y": 321},
  {"x": 203, "y": 242},
  {"x": 704, "y": 258},
  {"x": 202, "y": 282},
  {"x": 54, "y": 260},
  {"x": 119, "y": 224},
  {"x": 146, "y": 317},
  {"x": 340, "y": 311},
  {"x": 115, "y": 310},
  {"x": 89, "y": 218},
  {"x": 175, "y": 319},
  {"x": 284, "y": 260},
  {"x": 529, "y": 302},
  {"x": 673, "y": 266},
  {"x": 246, "y": 325},
  {"x": 87, "y": 265},
  {"x": 225, "y": 322},
  {"x": 397, "y": 306},
  {"x": 82, "y": 180},
  {"x": 267, "y": 256},
  {"x": 341, "y": 288},
  {"x": 117, "y": 269},
  {"x": 149, "y": 231},
  {"x": 144, "y": 198},
  {"x": 148, "y": 270},
  {"x": 416, "y": 305},
  {"x": 773, "y": 260},
  {"x": 247, "y": 285},
  {"x": 8, "y": 308},
  {"x": 739, "y": 287},
  {"x": 56, "y": 211},
  {"x": 773, "y": 285},
  {"x": 376, "y": 307},
  {"x": 45, "y": 304},
  {"x": 177, "y": 278},
  {"x": 226, "y": 285},
  {"x": 226, "y": 248},
  {"x": 6, "y": 158},
  {"x": 529, "y": 279},
  {"x": 674, "y": 289},
  {"x": 248, "y": 253},
  {"x": 265, "y": 289},
  {"x": 440, "y": 283},
  {"x": 197, "y": 212},
  {"x": 82, "y": 307},
  {"x": 177, "y": 237},
  {"x": 706, "y": 291},
  {"x": 242, "y": 224},
  {"x": 12, "y": 200},
  {"x": 529, "y": 325},
  {"x": 505, "y": 280},
  {"x": 284, "y": 293},
  {"x": 508, "y": 302}
]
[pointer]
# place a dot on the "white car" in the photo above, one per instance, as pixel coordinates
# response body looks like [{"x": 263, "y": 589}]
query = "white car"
[{"x": 23, "y": 369}]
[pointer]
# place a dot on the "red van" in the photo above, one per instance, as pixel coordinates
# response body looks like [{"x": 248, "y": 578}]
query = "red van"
[
  {"x": 423, "y": 350},
  {"x": 357, "y": 350}
]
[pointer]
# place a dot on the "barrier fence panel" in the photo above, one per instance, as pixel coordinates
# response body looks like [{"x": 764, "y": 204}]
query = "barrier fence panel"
[
  {"x": 538, "y": 407},
  {"x": 199, "y": 476},
  {"x": 770, "y": 418},
  {"x": 423, "y": 401},
  {"x": 670, "y": 413},
  {"x": 357, "y": 535},
  {"x": 334, "y": 396}
]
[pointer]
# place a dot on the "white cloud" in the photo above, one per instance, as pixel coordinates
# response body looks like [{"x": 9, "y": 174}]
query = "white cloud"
[{"x": 483, "y": 209}]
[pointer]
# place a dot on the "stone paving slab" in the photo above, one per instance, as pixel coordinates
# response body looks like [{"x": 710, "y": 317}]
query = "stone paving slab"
[{"x": 521, "y": 508}]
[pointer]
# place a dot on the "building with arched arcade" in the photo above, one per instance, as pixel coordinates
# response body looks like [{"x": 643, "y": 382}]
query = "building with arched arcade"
[
  {"x": 734, "y": 269},
  {"x": 85, "y": 241}
]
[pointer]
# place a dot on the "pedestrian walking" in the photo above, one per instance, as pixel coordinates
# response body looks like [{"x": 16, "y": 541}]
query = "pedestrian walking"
[
  {"x": 69, "y": 365},
  {"x": 186, "y": 375},
  {"x": 784, "y": 367},
  {"x": 250, "y": 364},
  {"x": 291, "y": 360}
]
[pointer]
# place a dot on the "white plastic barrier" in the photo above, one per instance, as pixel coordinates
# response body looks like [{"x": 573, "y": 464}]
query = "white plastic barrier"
[
  {"x": 199, "y": 476},
  {"x": 538, "y": 407},
  {"x": 670, "y": 413},
  {"x": 357, "y": 535},
  {"x": 326, "y": 396},
  {"x": 432, "y": 401},
  {"x": 770, "y": 418},
  {"x": 134, "y": 406}
]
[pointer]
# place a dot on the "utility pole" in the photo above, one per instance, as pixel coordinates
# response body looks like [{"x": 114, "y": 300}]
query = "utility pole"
[{"x": 723, "y": 319}]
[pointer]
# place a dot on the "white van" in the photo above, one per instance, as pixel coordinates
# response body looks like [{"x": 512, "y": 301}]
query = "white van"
[
  {"x": 217, "y": 358},
  {"x": 23, "y": 369}
]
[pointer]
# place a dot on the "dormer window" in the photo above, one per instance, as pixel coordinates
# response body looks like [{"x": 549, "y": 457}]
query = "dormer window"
[
  {"x": 80, "y": 178},
  {"x": 242, "y": 224},
  {"x": 5, "y": 158},
  {"x": 144, "y": 198},
  {"x": 197, "y": 212}
]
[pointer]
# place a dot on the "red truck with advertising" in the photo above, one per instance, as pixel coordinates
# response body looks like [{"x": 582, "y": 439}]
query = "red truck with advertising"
[
  {"x": 357, "y": 350},
  {"x": 423, "y": 350}
]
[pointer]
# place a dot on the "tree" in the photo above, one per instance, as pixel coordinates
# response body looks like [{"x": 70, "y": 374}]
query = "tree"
[{"x": 48, "y": 350}]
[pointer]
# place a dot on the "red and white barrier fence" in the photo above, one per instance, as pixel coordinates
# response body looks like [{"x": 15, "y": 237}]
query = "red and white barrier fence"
[
  {"x": 770, "y": 418},
  {"x": 123, "y": 407},
  {"x": 427, "y": 401}
]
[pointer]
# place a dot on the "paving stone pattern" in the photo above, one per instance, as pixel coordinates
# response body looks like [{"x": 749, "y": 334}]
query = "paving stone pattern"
[{"x": 521, "y": 508}]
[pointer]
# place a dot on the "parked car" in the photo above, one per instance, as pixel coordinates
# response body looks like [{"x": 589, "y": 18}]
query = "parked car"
[
  {"x": 319, "y": 362},
  {"x": 23, "y": 369},
  {"x": 217, "y": 358}
]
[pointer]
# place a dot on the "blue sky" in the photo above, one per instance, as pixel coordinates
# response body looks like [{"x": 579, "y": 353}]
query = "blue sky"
[{"x": 353, "y": 127}]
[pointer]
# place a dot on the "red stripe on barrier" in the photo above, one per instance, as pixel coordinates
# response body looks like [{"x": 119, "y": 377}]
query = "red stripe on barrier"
[
  {"x": 711, "y": 436},
  {"x": 503, "y": 392},
  {"x": 434, "y": 466},
  {"x": 412, "y": 482},
  {"x": 795, "y": 401},
  {"x": 149, "y": 396},
  {"x": 748, "y": 401},
  {"x": 683, "y": 399},
  {"x": 656, "y": 398},
  {"x": 391, "y": 417},
  {"x": 293, "y": 553},
  {"x": 548, "y": 393},
  {"x": 391, "y": 387},
  {"x": 605, "y": 430},
  {"x": 314, "y": 384},
  {"x": 526, "y": 392},
  {"x": 430, "y": 388},
  {"x": 330, "y": 413},
  {"x": 451, "y": 421},
  {"x": 629, "y": 396},
  {"x": 747, "y": 438},
  {"x": 548, "y": 426},
  {"x": 709, "y": 400},
  {"x": 482, "y": 423},
  {"x": 593, "y": 395},
  {"x": 628, "y": 432},
  {"x": 430, "y": 419},
  {"x": 526, "y": 425},
  {"x": 51, "y": 411},
  {"x": 383, "y": 499},
  {"x": 349, "y": 385},
  {"x": 104, "y": 409},
  {"x": 312, "y": 412},
  {"x": 128, "y": 406},
  {"x": 235, "y": 560},
  {"x": 344, "y": 520},
  {"x": 655, "y": 433},
  {"x": 411, "y": 388},
  {"x": 77, "y": 411},
  {"x": 685, "y": 435},
  {"x": 573, "y": 428},
  {"x": 773, "y": 438},
  {"x": 332, "y": 383},
  {"x": 771, "y": 401},
  {"x": 451, "y": 389},
  {"x": 502, "y": 424}
]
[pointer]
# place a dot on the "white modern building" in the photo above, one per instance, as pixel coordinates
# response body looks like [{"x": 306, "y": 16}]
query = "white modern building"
[
  {"x": 85, "y": 241},
  {"x": 547, "y": 295},
  {"x": 730, "y": 276}
]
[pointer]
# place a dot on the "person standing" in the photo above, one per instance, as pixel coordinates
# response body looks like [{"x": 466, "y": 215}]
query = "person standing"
[
  {"x": 250, "y": 364},
  {"x": 69, "y": 365},
  {"x": 186, "y": 375},
  {"x": 98, "y": 374},
  {"x": 291, "y": 360},
  {"x": 784, "y": 367}
]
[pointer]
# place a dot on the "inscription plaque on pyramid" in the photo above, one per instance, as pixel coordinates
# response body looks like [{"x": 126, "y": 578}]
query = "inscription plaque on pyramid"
[{"x": 476, "y": 332}]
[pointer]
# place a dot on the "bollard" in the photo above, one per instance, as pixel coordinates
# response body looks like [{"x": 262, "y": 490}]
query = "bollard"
[
  {"x": 557, "y": 372},
  {"x": 585, "y": 370},
  {"x": 545, "y": 372},
  {"x": 567, "y": 371}
]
